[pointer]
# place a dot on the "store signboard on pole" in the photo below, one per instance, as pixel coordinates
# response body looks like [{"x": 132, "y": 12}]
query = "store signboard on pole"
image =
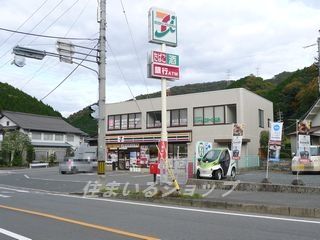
[
  {"x": 163, "y": 27},
  {"x": 275, "y": 141},
  {"x": 304, "y": 141},
  {"x": 237, "y": 135}
]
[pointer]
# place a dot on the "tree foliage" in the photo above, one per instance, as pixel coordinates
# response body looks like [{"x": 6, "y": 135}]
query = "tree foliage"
[
  {"x": 12, "y": 99},
  {"x": 16, "y": 144}
]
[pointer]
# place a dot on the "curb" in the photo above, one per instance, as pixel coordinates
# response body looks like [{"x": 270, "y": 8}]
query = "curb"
[
  {"x": 253, "y": 187},
  {"x": 271, "y": 209}
]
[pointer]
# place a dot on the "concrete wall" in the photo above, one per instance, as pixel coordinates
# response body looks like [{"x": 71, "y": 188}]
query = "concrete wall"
[
  {"x": 247, "y": 105},
  {"x": 4, "y": 120}
]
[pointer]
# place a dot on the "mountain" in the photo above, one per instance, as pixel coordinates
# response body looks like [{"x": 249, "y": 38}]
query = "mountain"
[
  {"x": 12, "y": 99},
  {"x": 190, "y": 88},
  {"x": 292, "y": 93},
  {"x": 84, "y": 121}
]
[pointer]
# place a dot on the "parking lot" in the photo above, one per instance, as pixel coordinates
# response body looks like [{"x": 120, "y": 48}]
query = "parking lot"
[{"x": 49, "y": 179}]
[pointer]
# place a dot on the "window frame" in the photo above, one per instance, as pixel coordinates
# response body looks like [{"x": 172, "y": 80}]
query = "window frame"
[
  {"x": 179, "y": 117},
  {"x": 214, "y": 115},
  {"x": 136, "y": 123}
]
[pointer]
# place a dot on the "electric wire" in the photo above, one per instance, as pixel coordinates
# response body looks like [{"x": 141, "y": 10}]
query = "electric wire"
[
  {"x": 78, "y": 65},
  {"x": 122, "y": 75},
  {"x": 65, "y": 35},
  {"x": 136, "y": 52},
  {"x": 48, "y": 36},
  {"x": 25, "y": 33},
  {"x": 57, "y": 19},
  {"x": 25, "y": 21}
]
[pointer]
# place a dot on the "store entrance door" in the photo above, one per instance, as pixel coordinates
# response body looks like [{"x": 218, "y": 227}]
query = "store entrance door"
[{"x": 123, "y": 160}]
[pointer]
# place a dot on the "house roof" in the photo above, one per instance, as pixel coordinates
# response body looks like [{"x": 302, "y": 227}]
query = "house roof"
[
  {"x": 314, "y": 110},
  {"x": 41, "y": 123},
  {"x": 46, "y": 144}
]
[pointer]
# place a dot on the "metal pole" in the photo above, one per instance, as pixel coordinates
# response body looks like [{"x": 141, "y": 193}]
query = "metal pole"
[
  {"x": 102, "y": 90},
  {"x": 319, "y": 63},
  {"x": 164, "y": 134}
]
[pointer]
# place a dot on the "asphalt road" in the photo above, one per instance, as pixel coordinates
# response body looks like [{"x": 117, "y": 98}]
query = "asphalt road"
[
  {"x": 44, "y": 215},
  {"x": 49, "y": 179}
]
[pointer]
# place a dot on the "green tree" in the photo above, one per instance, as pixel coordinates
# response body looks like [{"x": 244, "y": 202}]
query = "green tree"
[{"x": 15, "y": 143}]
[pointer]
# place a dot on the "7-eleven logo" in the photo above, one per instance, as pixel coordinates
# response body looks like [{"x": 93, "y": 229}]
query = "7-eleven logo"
[{"x": 167, "y": 22}]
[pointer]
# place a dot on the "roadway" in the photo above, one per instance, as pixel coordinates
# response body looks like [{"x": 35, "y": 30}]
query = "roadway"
[{"x": 43, "y": 215}]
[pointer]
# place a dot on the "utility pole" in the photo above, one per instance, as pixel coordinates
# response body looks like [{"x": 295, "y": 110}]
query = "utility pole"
[
  {"x": 318, "y": 40},
  {"x": 102, "y": 89}
]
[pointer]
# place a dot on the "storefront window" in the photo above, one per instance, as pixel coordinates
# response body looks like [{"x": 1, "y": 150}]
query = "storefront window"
[
  {"x": 154, "y": 119},
  {"x": 219, "y": 114},
  {"x": 183, "y": 117},
  {"x": 175, "y": 118},
  {"x": 117, "y": 122},
  {"x": 208, "y": 116},
  {"x": 111, "y": 122},
  {"x": 138, "y": 120},
  {"x": 124, "y": 121},
  {"x": 198, "y": 116}
]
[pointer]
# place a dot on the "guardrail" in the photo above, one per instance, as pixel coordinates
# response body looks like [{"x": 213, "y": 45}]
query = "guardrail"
[{"x": 38, "y": 165}]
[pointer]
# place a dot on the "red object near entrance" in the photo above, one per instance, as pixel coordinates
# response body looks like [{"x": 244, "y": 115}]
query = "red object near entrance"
[{"x": 154, "y": 168}]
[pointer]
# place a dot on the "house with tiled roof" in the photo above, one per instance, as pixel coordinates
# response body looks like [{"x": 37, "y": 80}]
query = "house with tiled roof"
[{"x": 48, "y": 135}]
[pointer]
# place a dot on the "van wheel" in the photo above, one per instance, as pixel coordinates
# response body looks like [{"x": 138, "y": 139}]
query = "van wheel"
[
  {"x": 198, "y": 175},
  {"x": 233, "y": 174},
  {"x": 62, "y": 172},
  {"x": 217, "y": 174}
]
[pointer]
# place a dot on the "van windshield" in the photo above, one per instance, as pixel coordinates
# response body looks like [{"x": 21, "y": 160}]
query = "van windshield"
[{"x": 212, "y": 155}]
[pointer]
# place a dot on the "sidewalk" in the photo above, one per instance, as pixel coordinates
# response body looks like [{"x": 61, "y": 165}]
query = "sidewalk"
[{"x": 301, "y": 200}]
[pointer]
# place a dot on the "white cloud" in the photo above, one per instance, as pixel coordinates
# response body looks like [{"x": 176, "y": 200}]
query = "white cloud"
[{"x": 214, "y": 37}]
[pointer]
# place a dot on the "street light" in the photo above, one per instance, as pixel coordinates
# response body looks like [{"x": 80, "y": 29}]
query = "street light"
[{"x": 66, "y": 51}]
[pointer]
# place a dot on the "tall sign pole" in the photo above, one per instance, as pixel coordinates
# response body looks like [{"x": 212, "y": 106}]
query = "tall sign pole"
[
  {"x": 163, "y": 30},
  {"x": 102, "y": 89}
]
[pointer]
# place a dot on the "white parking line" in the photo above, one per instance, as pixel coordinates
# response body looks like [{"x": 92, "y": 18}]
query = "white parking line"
[
  {"x": 13, "y": 235},
  {"x": 14, "y": 189},
  {"x": 55, "y": 180},
  {"x": 26, "y": 176},
  {"x": 4, "y": 196},
  {"x": 141, "y": 176}
]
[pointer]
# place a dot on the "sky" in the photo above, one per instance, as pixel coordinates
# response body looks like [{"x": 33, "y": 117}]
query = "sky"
[{"x": 217, "y": 40}]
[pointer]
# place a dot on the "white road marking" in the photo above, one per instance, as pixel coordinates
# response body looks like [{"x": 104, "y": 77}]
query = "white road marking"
[
  {"x": 13, "y": 235},
  {"x": 189, "y": 209},
  {"x": 181, "y": 208},
  {"x": 26, "y": 176},
  {"x": 142, "y": 176},
  {"x": 4, "y": 196},
  {"x": 57, "y": 180},
  {"x": 14, "y": 189}
]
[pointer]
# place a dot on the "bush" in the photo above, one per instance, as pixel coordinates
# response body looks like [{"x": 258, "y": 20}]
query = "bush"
[{"x": 17, "y": 160}]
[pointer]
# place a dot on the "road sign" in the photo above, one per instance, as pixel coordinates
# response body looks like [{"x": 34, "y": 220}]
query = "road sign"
[
  {"x": 164, "y": 58},
  {"x": 164, "y": 71},
  {"x": 65, "y": 50},
  {"x": 162, "y": 27}
]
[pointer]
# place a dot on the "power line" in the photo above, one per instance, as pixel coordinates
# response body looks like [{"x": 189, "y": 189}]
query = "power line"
[
  {"x": 4, "y": 29},
  {"x": 25, "y": 21},
  {"x": 122, "y": 75},
  {"x": 48, "y": 36},
  {"x": 136, "y": 52},
  {"x": 58, "y": 18},
  {"x": 78, "y": 65},
  {"x": 68, "y": 31}
]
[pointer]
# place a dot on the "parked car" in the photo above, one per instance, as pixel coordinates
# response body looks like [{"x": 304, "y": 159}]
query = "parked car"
[
  {"x": 217, "y": 163},
  {"x": 73, "y": 165}
]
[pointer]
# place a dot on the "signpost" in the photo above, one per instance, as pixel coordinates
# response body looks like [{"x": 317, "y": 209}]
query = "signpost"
[{"x": 163, "y": 30}]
